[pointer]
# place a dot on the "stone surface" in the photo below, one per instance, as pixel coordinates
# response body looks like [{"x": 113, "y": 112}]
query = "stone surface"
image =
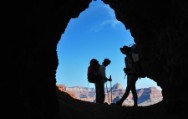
[{"x": 34, "y": 28}]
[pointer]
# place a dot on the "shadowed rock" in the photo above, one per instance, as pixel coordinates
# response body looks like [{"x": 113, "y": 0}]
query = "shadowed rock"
[{"x": 34, "y": 28}]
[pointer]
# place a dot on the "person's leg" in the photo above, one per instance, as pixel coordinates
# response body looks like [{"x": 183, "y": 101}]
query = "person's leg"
[
  {"x": 133, "y": 89},
  {"x": 97, "y": 93},
  {"x": 127, "y": 90},
  {"x": 100, "y": 94}
]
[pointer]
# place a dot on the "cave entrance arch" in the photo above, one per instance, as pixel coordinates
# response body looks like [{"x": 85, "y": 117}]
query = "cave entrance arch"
[{"x": 96, "y": 33}]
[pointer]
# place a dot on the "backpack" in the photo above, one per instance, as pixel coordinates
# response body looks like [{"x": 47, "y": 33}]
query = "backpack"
[
  {"x": 136, "y": 61},
  {"x": 93, "y": 71}
]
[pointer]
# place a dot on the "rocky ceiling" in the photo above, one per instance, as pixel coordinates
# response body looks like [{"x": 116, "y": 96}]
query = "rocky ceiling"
[{"x": 159, "y": 28}]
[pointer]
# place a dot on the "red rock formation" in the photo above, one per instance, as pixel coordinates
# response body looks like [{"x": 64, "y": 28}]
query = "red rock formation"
[{"x": 62, "y": 88}]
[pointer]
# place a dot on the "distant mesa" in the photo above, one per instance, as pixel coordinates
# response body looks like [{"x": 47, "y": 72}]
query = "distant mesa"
[
  {"x": 117, "y": 86},
  {"x": 146, "y": 96}
]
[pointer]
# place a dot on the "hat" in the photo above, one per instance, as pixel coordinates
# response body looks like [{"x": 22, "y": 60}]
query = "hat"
[{"x": 124, "y": 49}]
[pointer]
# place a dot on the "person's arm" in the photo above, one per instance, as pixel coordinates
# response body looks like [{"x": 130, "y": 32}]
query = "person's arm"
[{"x": 103, "y": 73}]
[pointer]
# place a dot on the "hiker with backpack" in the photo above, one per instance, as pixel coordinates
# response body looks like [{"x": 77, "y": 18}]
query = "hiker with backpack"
[
  {"x": 100, "y": 92},
  {"x": 132, "y": 76},
  {"x": 97, "y": 75}
]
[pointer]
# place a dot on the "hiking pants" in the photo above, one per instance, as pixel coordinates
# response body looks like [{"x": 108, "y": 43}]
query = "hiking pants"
[
  {"x": 131, "y": 82},
  {"x": 100, "y": 93}
]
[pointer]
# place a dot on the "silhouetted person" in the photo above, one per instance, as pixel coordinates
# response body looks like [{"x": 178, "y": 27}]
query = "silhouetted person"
[
  {"x": 99, "y": 85},
  {"x": 132, "y": 76}
]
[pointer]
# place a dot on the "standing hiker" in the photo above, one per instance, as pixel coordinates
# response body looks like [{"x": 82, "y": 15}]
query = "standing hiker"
[
  {"x": 99, "y": 85},
  {"x": 132, "y": 76}
]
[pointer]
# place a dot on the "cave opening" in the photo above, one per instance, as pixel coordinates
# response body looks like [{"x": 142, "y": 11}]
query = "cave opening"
[{"x": 96, "y": 33}]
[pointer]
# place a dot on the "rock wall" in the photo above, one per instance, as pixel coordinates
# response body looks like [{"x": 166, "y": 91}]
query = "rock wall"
[
  {"x": 38, "y": 26},
  {"x": 159, "y": 28}
]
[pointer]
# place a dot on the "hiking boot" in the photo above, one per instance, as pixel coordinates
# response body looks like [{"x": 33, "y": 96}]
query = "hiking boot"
[
  {"x": 135, "y": 105},
  {"x": 119, "y": 102},
  {"x": 106, "y": 103}
]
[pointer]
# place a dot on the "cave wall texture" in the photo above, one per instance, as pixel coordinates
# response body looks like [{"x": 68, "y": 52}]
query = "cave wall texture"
[{"x": 160, "y": 29}]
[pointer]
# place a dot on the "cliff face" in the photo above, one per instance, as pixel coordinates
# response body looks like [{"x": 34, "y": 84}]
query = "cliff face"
[
  {"x": 159, "y": 28},
  {"x": 160, "y": 31}
]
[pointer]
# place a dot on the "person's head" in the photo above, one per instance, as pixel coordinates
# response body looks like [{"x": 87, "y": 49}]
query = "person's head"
[
  {"x": 125, "y": 50},
  {"x": 106, "y": 62}
]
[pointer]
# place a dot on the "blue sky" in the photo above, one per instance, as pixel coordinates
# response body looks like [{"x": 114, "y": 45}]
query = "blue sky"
[{"x": 96, "y": 33}]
